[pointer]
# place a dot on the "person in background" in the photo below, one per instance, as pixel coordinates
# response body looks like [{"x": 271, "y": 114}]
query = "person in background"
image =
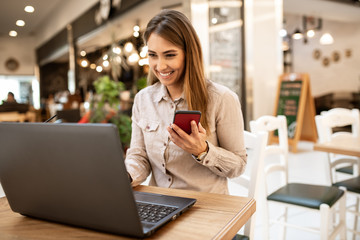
[
  {"x": 10, "y": 98},
  {"x": 214, "y": 151}
]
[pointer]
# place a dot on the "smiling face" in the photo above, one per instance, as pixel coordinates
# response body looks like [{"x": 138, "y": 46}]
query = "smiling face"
[{"x": 167, "y": 62}]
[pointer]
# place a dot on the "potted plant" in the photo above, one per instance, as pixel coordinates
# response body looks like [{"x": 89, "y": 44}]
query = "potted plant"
[{"x": 105, "y": 107}]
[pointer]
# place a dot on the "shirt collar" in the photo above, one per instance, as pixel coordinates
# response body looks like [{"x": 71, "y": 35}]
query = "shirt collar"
[{"x": 163, "y": 94}]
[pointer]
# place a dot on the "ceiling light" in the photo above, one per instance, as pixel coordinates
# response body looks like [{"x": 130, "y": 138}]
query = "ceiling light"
[
  {"x": 93, "y": 66},
  {"x": 106, "y": 63},
  {"x": 128, "y": 47},
  {"x": 326, "y": 39},
  {"x": 12, "y": 33},
  {"x": 133, "y": 58},
  {"x": 297, "y": 34},
  {"x": 143, "y": 54},
  {"x": 116, "y": 50},
  {"x": 29, "y": 9},
  {"x": 99, "y": 68},
  {"x": 82, "y": 53},
  {"x": 283, "y": 32},
  {"x": 136, "y": 34},
  {"x": 136, "y": 28},
  {"x": 20, "y": 23},
  {"x": 310, "y": 33},
  {"x": 84, "y": 63}
]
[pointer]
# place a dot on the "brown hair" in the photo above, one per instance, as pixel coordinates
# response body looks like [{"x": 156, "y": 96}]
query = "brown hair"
[{"x": 176, "y": 28}]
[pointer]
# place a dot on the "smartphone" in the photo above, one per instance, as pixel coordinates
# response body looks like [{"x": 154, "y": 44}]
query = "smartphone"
[{"x": 183, "y": 118}]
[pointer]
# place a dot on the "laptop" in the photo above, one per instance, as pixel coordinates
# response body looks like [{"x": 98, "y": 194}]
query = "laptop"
[{"x": 75, "y": 174}]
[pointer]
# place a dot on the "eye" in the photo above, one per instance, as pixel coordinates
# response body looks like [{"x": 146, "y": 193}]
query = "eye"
[
  {"x": 170, "y": 55},
  {"x": 152, "y": 55}
]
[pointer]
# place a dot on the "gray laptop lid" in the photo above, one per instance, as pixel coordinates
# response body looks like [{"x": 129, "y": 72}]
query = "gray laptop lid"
[{"x": 73, "y": 174}]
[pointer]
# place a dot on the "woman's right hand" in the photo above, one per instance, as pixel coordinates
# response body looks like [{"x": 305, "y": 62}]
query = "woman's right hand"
[{"x": 195, "y": 143}]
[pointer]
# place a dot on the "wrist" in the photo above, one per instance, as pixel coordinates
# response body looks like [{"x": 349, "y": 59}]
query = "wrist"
[
  {"x": 203, "y": 154},
  {"x": 206, "y": 149}
]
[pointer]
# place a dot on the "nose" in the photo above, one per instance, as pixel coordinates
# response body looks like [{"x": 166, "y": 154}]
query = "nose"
[{"x": 161, "y": 64}]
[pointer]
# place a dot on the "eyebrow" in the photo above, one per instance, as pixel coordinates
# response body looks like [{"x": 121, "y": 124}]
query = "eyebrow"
[{"x": 168, "y": 51}]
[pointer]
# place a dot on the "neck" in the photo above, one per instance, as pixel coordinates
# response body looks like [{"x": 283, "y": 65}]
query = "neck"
[{"x": 174, "y": 92}]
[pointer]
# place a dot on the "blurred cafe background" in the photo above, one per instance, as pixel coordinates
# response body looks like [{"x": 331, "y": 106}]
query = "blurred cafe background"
[{"x": 52, "y": 53}]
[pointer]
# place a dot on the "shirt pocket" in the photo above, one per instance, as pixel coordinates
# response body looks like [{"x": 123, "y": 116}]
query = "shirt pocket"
[
  {"x": 148, "y": 126},
  {"x": 150, "y": 132}
]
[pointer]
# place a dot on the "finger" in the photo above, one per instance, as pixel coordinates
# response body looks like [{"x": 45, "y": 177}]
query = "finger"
[
  {"x": 172, "y": 133},
  {"x": 202, "y": 129},
  {"x": 194, "y": 128},
  {"x": 169, "y": 129},
  {"x": 179, "y": 131}
]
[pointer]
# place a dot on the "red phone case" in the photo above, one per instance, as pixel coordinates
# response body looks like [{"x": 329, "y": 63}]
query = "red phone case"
[{"x": 183, "y": 118}]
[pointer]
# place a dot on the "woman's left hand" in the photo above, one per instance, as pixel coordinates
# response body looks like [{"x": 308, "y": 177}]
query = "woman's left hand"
[{"x": 195, "y": 143}]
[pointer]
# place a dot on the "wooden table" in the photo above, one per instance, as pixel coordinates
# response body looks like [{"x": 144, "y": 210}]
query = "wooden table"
[
  {"x": 347, "y": 146},
  {"x": 214, "y": 216}
]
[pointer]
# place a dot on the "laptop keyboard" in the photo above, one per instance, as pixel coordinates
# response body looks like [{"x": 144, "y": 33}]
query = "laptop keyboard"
[{"x": 152, "y": 212}]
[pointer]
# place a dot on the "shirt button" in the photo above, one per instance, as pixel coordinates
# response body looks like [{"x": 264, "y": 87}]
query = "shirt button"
[
  {"x": 147, "y": 127},
  {"x": 206, "y": 162},
  {"x": 172, "y": 106},
  {"x": 165, "y": 144},
  {"x": 163, "y": 165},
  {"x": 169, "y": 179}
]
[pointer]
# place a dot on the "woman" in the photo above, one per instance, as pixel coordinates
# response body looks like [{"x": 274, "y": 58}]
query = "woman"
[{"x": 214, "y": 150}]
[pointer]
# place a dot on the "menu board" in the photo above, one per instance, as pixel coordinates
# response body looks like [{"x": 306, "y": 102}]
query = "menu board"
[
  {"x": 288, "y": 104},
  {"x": 293, "y": 97}
]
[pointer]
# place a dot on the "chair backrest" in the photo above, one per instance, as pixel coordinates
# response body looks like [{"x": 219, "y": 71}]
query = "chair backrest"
[
  {"x": 325, "y": 124},
  {"x": 248, "y": 183},
  {"x": 337, "y": 117},
  {"x": 278, "y": 151}
]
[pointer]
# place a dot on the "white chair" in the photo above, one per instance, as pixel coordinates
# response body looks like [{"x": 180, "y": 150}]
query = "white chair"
[
  {"x": 325, "y": 123},
  {"x": 322, "y": 199},
  {"x": 340, "y": 118},
  {"x": 247, "y": 184}
]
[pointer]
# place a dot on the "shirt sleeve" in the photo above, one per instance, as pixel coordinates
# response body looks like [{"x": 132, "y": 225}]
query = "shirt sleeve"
[
  {"x": 136, "y": 160},
  {"x": 227, "y": 154}
]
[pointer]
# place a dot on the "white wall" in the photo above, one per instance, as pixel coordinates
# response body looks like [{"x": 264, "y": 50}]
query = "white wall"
[
  {"x": 21, "y": 49},
  {"x": 263, "y": 20},
  {"x": 343, "y": 75}
]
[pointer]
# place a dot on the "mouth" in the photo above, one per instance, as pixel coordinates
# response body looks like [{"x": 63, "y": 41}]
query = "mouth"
[{"x": 162, "y": 74}]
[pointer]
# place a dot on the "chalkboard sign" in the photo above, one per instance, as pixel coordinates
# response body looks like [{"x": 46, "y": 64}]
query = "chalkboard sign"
[
  {"x": 288, "y": 103},
  {"x": 293, "y": 97}
]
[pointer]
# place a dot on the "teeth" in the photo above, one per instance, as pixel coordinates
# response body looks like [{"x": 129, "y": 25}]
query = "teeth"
[{"x": 165, "y": 74}]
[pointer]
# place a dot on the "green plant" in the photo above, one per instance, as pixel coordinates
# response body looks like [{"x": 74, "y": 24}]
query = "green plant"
[
  {"x": 141, "y": 83},
  {"x": 105, "y": 107}
]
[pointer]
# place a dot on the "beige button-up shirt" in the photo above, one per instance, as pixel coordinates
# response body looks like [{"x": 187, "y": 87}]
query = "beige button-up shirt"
[{"x": 151, "y": 150}]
